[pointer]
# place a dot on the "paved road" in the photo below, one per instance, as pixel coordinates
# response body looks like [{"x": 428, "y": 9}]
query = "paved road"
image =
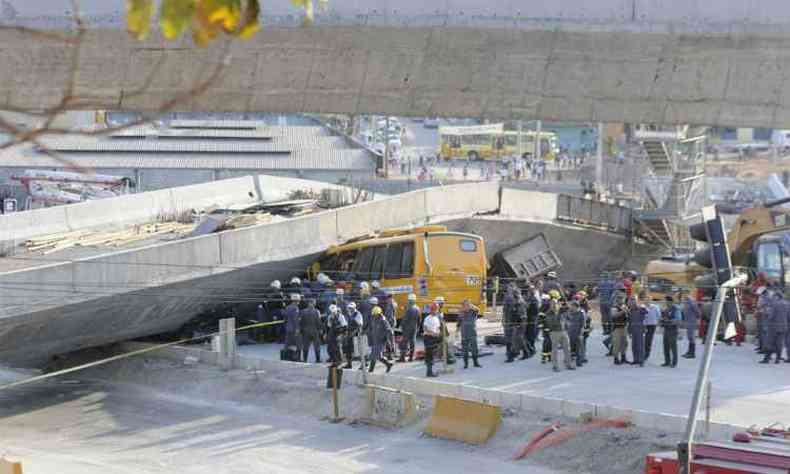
[{"x": 744, "y": 392}]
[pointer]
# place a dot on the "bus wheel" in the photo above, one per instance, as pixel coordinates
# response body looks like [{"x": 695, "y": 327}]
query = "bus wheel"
[{"x": 473, "y": 156}]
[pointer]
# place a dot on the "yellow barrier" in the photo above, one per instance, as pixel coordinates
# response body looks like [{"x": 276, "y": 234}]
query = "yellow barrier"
[
  {"x": 463, "y": 420},
  {"x": 9, "y": 466}
]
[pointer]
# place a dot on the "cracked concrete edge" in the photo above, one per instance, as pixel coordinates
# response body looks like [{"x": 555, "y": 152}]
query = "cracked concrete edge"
[{"x": 662, "y": 422}]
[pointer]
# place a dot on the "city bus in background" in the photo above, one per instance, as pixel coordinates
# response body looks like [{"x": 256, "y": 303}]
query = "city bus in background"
[
  {"x": 493, "y": 142},
  {"x": 428, "y": 261}
]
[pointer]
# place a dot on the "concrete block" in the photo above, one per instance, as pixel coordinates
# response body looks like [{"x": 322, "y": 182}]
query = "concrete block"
[
  {"x": 530, "y": 205},
  {"x": 511, "y": 400},
  {"x": 574, "y": 410},
  {"x": 530, "y": 403}
]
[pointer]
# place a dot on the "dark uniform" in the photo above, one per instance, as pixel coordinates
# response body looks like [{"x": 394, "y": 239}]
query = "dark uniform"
[
  {"x": 336, "y": 329},
  {"x": 408, "y": 326},
  {"x": 619, "y": 340},
  {"x": 381, "y": 332},
  {"x": 467, "y": 324},
  {"x": 636, "y": 328},
  {"x": 517, "y": 321},
  {"x": 354, "y": 320},
  {"x": 576, "y": 322},
  {"x": 670, "y": 320},
  {"x": 310, "y": 326},
  {"x": 531, "y": 330},
  {"x": 545, "y": 353},
  {"x": 292, "y": 327}
]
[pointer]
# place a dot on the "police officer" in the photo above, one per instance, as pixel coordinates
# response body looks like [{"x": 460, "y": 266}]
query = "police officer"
[
  {"x": 636, "y": 328},
  {"x": 381, "y": 332},
  {"x": 351, "y": 341},
  {"x": 310, "y": 327},
  {"x": 431, "y": 336},
  {"x": 776, "y": 328},
  {"x": 671, "y": 318},
  {"x": 517, "y": 322},
  {"x": 552, "y": 283},
  {"x": 467, "y": 325},
  {"x": 273, "y": 306},
  {"x": 336, "y": 328},
  {"x": 408, "y": 327},
  {"x": 620, "y": 314},
  {"x": 508, "y": 310},
  {"x": 292, "y": 325},
  {"x": 691, "y": 315},
  {"x": 576, "y": 322}
]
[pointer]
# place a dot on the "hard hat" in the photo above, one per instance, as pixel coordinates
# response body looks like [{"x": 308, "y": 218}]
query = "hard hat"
[
  {"x": 296, "y": 281},
  {"x": 321, "y": 278},
  {"x": 760, "y": 290},
  {"x": 554, "y": 294},
  {"x": 544, "y": 296},
  {"x": 375, "y": 284},
  {"x": 333, "y": 308},
  {"x": 373, "y": 300},
  {"x": 439, "y": 300},
  {"x": 340, "y": 291},
  {"x": 376, "y": 311},
  {"x": 352, "y": 305},
  {"x": 583, "y": 294},
  {"x": 275, "y": 284},
  {"x": 364, "y": 285},
  {"x": 412, "y": 297},
  {"x": 294, "y": 296},
  {"x": 552, "y": 275}
]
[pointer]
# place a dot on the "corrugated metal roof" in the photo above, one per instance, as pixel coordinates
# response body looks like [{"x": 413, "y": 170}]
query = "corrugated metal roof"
[{"x": 302, "y": 159}]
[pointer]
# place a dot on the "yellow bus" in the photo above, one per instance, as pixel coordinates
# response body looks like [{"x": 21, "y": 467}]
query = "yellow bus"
[
  {"x": 492, "y": 142},
  {"x": 428, "y": 261},
  {"x": 668, "y": 277}
]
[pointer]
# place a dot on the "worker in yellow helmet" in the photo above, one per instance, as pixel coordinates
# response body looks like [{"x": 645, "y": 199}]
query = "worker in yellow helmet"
[{"x": 381, "y": 332}]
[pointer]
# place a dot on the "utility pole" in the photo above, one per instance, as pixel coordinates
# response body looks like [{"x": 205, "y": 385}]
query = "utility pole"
[
  {"x": 387, "y": 148},
  {"x": 599, "y": 159}
]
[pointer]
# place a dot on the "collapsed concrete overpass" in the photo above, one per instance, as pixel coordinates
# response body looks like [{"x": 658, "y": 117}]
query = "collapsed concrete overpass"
[
  {"x": 706, "y": 62},
  {"x": 54, "y": 303}
]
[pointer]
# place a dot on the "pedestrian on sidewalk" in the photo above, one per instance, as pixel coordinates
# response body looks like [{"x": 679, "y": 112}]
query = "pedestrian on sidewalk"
[
  {"x": 671, "y": 318},
  {"x": 636, "y": 329},
  {"x": 651, "y": 323},
  {"x": 691, "y": 317}
]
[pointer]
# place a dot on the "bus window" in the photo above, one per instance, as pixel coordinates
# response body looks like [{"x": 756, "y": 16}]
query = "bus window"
[
  {"x": 407, "y": 262},
  {"x": 362, "y": 263},
  {"x": 328, "y": 263},
  {"x": 511, "y": 140},
  {"x": 345, "y": 261},
  {"x": 499, "y": 143},
  {"x": 468, "y": 245},
  {"x": 379, "y": 259},
  {"x": 454, "y": 141},
  {"x": 392, "y": 269}
]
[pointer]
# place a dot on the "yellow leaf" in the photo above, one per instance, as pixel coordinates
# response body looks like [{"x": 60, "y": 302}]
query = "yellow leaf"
[
  {"x": 251, "y": 23},
  {"x": 138, "y": 17},
  {"x": 226, "y": 13},
  {"x": 203, "y": 30},
  {"x": 175, "y": 17}
]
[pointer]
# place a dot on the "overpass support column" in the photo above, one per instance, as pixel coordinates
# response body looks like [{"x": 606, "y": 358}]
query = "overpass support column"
[
  {"x": 599, "y": 159},
  {"x": 227, "y": 343}
]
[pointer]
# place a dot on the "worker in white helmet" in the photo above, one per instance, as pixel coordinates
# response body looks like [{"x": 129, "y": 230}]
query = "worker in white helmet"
[
  {"x": 408, "y": 325},
  {"x": 336, "y": 326}
]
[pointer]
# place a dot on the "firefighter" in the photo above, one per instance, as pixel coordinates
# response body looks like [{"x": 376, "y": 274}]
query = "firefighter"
[
  {"x": 390, "y": 309},
  {"x": 620, "y": 313},
  {"x": 352, "y": 336},
  {"x": 517, "y": 321},
  {"x": 336, "y": 327},
  {"x": 408, "y": 327},
  {"x": 533, "y": 310},
  {"x": 545, "y": 355},
  {"x": 381, "y": 332},
  {"x": 556, "y": 325},
  {"x": 467, "y": 325},
  {"x": 576, "y": 322}
]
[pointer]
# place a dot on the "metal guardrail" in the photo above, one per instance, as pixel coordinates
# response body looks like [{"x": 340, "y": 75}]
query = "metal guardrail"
[{"x": 585, "y": 211}]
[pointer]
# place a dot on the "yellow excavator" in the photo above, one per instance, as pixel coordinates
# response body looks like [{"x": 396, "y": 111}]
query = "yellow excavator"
[{"x": 752, "y": 246}]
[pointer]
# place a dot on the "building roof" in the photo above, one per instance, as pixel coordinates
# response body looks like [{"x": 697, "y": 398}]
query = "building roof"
[{"x": 320, "y": 159}]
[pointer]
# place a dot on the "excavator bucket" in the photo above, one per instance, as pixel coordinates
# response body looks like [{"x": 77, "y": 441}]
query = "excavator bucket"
[{"x": 463, "y": 420}]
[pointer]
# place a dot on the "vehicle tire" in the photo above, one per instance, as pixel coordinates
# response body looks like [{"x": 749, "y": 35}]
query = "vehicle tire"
[{"x": 473, "y": 156}]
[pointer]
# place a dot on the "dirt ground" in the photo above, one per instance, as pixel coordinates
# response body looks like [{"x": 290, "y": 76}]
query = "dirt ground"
[{"x": 153, "y": 415}]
